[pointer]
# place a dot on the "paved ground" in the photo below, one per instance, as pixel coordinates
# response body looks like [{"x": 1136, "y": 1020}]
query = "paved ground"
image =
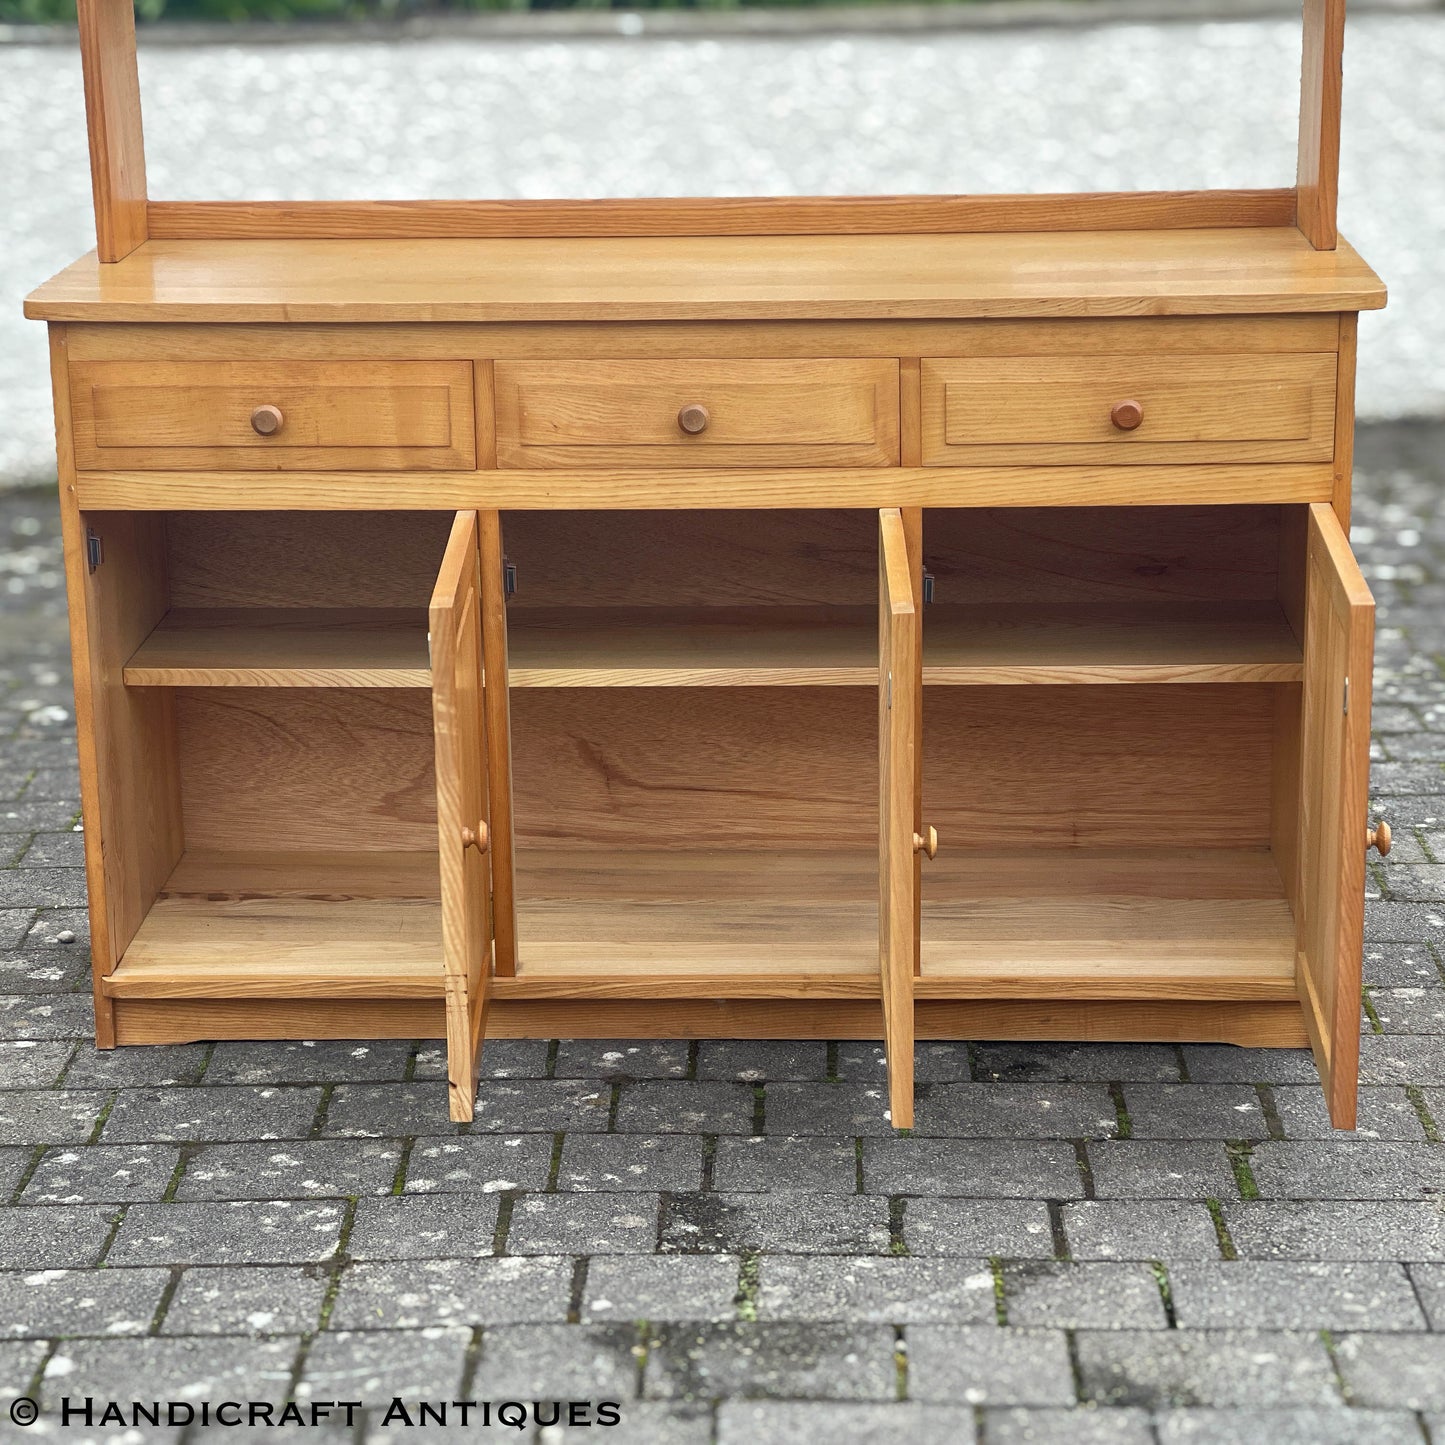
[
  {"x": 1087, "y": 108},
  {"x": 1079, "y": 1245}
]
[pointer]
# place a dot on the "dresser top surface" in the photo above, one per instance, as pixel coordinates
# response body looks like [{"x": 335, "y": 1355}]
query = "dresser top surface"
[{"x": 732, "y": 278}]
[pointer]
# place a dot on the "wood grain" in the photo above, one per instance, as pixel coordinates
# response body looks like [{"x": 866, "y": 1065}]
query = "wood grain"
[
  {"x": 113, "y": 127},
  {"x": 498, "y": 733},
  {"x": 1345, "y": 418},
  {"x": 717, "y": 278},
  {"x": 1317, "y": 180}
]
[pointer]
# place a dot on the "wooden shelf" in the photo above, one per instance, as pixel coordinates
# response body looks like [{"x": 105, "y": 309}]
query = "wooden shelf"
[
  {"x": 279, "y": 925},
  {"x": 284, "y": 647},
  {"x": 1072, "y": 924}
]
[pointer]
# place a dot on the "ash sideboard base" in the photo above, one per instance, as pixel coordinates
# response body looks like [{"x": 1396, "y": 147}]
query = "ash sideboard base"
[{"x": 1247, "y": 1024}]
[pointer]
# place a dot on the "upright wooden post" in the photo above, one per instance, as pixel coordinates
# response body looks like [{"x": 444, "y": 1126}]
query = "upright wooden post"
[
  {"x": 1317, "y": 184},
  {"x": 112, "y": 121}
]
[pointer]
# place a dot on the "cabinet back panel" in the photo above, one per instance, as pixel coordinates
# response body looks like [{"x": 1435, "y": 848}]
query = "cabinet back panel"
[
  {"x": 693, "y": 559},
  {"x": 305, "y": 559},
  {"x": 696, "y": 767},
  {"x": 282, "y": 769},
  {"x": 1114, "y": 767},
  {"x": 1102, "y": 554}
]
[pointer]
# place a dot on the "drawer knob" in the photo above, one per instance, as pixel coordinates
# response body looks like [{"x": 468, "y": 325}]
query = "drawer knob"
[
  {"x": 266, "y": 421},
  {"x": 1378, "y": 838},
  {"x": 926, "y": 842},
  {"x": 693, "y": 418},
  {"x": 1126, "y": 415},
  {"x": 478, "y": 838}
]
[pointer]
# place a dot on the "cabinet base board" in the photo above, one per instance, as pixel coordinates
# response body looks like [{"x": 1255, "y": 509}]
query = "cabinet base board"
[{"x": 1250, "y": 1024}]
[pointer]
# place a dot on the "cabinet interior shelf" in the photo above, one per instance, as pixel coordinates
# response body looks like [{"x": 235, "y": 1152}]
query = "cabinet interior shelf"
[
  {"x": 726, "y": 923},
  {"x": 1151, "y": 642}
]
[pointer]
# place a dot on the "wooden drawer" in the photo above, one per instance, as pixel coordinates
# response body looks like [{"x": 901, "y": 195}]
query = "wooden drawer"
[
  {"x": 327, "y": 415},
  {"x": 744, "y": 413},
  {"x": 1056, "y": 410}
]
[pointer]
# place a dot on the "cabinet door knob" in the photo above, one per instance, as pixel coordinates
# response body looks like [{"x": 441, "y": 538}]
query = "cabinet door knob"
[
  {"x": 1378, "y": 838},
  {"x": 266, "y": 421},
  {"x": 478, "y": 838},
  {"x": 693, "y": 418},
  {"x": 1126, "y": 415},
  {"x": 926, "y": 842}
]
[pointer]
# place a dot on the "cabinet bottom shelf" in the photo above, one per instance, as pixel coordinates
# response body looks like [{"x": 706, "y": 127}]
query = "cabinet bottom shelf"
[{"x": 1208, "y": 924}]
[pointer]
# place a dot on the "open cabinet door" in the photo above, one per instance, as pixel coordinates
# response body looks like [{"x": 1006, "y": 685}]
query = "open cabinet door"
[
  {"x": 1334, "y": 799},
  {"x": 461, "y": 780},
  {"x": 899, "y": 690}
]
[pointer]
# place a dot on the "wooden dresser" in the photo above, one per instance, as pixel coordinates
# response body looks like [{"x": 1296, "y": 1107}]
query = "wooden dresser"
[{"x": 592, "y": 618}]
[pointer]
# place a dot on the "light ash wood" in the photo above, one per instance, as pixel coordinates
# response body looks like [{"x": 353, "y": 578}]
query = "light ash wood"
[
  {"x": 1070, "y": 273},
  {"x": 113, "y": 126},
  {"x": 1317, "y": 180}
]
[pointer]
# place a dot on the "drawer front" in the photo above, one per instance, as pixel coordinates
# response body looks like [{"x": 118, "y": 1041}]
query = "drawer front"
[
  {"x": 1052, "y": 411},
  {"x": 273, "y": 415},
  {"x": 743, "y": 413}
]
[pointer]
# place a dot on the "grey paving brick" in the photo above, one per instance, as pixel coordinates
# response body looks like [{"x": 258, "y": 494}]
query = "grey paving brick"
[
  {"x": 93, "y": 1068},
  {"x": 1401, "y": 965},
  {"x": 423, "y": 1227},
  {"x": 777, "y": 1164},
  {"x": 793, "y": 1422},
  {"x": 294, "y": 1169},
  {"x": 247, "y": 1300},
  {"x": 1284, "y": 1295},
  {"x": 630, "y": 1161},
  {"x": 33, "y": 1063},
  {"x": 19, "y": 1364},
  {"x": 308, "y": 1061},
  {"x": 1081, "y": 1425},
  {"x": 501, "y": 1059},
  {"x": 523, "y": 1106},
  {"x": 1287, "y": 1427},
  {"x": 1230, "y": 1064},
  {"x": 57, "y": 785},
  {"x": 415, "y": 1294},
  {"x": 751, "y": 1061},
  {"x": 1348, "y": 1169},
  {"x": 416, "y": 1364},
  {"x": 1393, "y": 1371},
  {"x": 14, "y": 925},
  {"x": 227, "y": 1233},
  {"x": 485, "y": 1163},
  {"x": 834, "y": 1110},
  {"x": 14, "y": 1161},
  {"x": 558, "y": 1362},
  {"x": 36, "y": 816},
  {"x": 983, "y": 1365},
  {"x": 191, "y": 1115},
  {"x": 788, "y": 1224},
  {"x": 42, "y": 887},
  {"x": 1429, "y": 1280},
  {"x": 100, "y": 1174},
  {"x": 645, "y": 1422},
  {"x": 1010, "y": 1228},
  {"x": 1385, "y": 1112},
  {"x": 385, "y": 1111},
  {"x": 1139, "y": 1229},
  {"x": 685, "y": 1106},
  {"x": 621, "y": 1058},
  {"x": 1401, "y": 1059},
  {"x": 1083, "y": 1296},
  {"x": 44, "y": 971},
  {"x": 170, "y": 1369},
  {"x": 771, "y": 1360},
  {"x": 47, "y": 934},
  {"x": 47, "y": 1016},
  {"x": 1418, "y": 882},
  {"x": 1161, "y": 1169},
  {"x": 876, "y": 1291},
  {"x": 1173, "y": 1368},
  {"x": 1194, "y": 1111},
  {"x": 934, "y": 1062},
  {"x": 1410, "y": 1010},
  {"x": 1390, "y": 922},
  {"x": 661, "y": 1287},
  {"x": 1078, "y": 1063},
  {"x": 1027, "y": 1111},
  {"x": 1337, "y": 1230},
  {"x": 998, "y": 1168},
  {"x": 55, "y": 1116},
  {"x": 113, "y": 1302},
  {"x": 55, "y": 850},
  {"x": 583, "y": 1224},
  {"x": 46, "y": 1237}
]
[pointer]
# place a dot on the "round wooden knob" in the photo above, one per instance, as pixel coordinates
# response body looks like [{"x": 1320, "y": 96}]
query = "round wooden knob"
[
  {"x": 1126, "y": 415},
  {"x": 477, "y": 838},
  {"x": 693, "y": 418},
  {"x": 1378, "y": 838},
  {"x": 926, "y": 842},
  {"x": 266, "y": 421}
]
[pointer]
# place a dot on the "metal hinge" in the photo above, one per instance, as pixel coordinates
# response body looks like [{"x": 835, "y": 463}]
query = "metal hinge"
[
  {"x": 1347, "y": 697},
  {"x": 509, "y": 578},
  {"x": 429, "y": 663},
  {"x": 888, "y": 691},
  {"x": 94, "y": 550},
  {"x": 927, "y": 586}
]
